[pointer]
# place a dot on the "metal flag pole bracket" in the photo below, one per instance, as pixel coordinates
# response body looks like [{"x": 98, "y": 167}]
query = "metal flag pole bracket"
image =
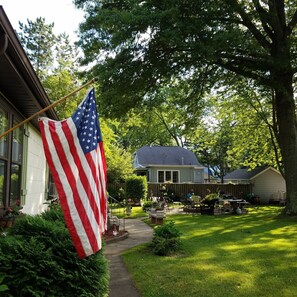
[{"x": 47, "y": 108}]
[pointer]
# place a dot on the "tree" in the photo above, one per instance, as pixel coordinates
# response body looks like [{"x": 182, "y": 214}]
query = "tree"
[
  {"x": 166, "y": 122},
  {"x": 118, "y": 160},
  {"x": 55, "y": 61},
  {"x": 237, "y": 130},
  {"x": 145, "y": 44},
  {"x": 38, "y": 38}
]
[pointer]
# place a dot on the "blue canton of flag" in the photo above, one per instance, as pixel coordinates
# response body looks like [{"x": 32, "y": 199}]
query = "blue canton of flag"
[{"x": 87, "y": 124}]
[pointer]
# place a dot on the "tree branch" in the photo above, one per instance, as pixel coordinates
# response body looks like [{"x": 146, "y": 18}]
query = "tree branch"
[
  {"x": 292, "y": 23},
  {"x": 247, "y": 22},
  {"x": 264, "y": 17}
]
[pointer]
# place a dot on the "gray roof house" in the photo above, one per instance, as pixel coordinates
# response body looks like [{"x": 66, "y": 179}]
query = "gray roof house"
[
  {"x": 266, "y": 182},
  {"x": 23, "y": 171},
  {"x": 163, "y": 164}
]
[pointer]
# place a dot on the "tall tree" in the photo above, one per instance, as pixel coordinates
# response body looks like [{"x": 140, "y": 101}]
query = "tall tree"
[
  {"x": 37, "y": 38},
  {"x": 237, "y": 130},
  {"x": 55, "y": 60},
  {"x": 147, "y": 43}
]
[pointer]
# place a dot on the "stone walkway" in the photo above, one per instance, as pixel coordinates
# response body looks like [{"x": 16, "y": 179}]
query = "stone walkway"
[{"x": 121, "y": 284}]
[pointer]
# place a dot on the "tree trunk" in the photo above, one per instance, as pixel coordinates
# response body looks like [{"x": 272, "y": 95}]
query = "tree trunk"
[{"x": 285, "y": 110}]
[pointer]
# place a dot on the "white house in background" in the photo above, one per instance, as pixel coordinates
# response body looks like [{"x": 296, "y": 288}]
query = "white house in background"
[
  {"x": 163, "y": 164},
  {"x": 267, "y": 182},
  {"x": 23, "y": 170}
]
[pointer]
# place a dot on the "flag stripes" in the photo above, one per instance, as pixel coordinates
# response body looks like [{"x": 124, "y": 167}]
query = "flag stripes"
[{"x": 80, "y": 178}]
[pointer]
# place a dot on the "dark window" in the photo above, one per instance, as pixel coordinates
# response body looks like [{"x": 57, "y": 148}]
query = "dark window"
[
  {"x": 175, "y": 176},
  {"x": 168, "y": 176},
  {"x": 160, "y": 176},
  {"x": 11, "y": 155}
]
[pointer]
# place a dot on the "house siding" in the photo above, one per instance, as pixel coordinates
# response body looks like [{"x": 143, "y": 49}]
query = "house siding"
[
  {"x": 268, "y": 184},
  {"x": 36, "y": 174}
]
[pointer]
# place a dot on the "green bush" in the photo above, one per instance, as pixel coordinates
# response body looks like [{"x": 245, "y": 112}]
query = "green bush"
[
  {"x": 166, "y": 239},
  {"x": 147, "y": 205},
  {"x": 38, "y": 258},
  {"x": 211, "y": 196},
  {"x": 54, "y": 213},
  {"x": 136, "y": 188}
]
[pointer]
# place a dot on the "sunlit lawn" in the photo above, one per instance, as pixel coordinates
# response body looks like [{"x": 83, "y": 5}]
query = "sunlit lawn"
[
  {"x": 248, "y": 255},
  {"x": 136, "y": 212}
]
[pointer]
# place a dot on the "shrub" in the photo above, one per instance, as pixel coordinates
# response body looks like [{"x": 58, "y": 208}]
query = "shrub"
[
  {"x": 39, "y": 259},
  {"x": 211, "y": 196},
  {"x": 54, "y": 213},
  {"x": 136, "y": 188},
  {"x": 147, "y": 205},
  {"x": 166, "y": 239}
]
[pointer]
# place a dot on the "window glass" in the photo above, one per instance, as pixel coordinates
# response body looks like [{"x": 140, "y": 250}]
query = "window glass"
[
  {"x": 2, "y": 182},
  {"x": 11, "y": 155},
  {"x": 15, "y": 183},
  {"x": 3, "y": 128},
  {"x": 17, "y": 145},
  {"x": 161, "y": 176},
  {"x": 175, "y": 176},
  {"x": 168, "y": 175}
]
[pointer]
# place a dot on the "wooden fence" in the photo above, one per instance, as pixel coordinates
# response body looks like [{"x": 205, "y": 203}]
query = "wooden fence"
[{"x": 179, "y": 191}]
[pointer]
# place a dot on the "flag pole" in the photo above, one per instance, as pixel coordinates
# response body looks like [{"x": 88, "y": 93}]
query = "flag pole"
[{"x": 46, "y": 108}]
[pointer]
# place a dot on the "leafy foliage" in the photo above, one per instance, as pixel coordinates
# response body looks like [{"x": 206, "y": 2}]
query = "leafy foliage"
[
  {"x": 39, "y": 259},
  {"x": 54, "y": 59},
  {"x": 136, "y": 188},
  {"x": 145, "y": 46},
  {"x": 166, "y": 239}
]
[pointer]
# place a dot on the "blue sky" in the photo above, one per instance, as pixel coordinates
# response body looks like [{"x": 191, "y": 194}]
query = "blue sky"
[{"x": 60, "y": 12}]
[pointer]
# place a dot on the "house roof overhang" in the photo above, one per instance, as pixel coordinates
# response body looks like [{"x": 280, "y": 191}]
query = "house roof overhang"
[{"x": 19, "y": 83}]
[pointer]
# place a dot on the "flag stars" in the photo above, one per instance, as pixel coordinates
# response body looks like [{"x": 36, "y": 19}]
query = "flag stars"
[{"x": 86, "y": 121}]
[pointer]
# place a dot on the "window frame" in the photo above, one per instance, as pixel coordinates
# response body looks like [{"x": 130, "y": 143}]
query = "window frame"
[
  {"x": 168, "y": 176},
  {"x": 13, "y": 118}
]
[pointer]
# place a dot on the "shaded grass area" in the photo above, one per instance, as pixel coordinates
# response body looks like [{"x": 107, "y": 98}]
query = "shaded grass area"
[{"x": 247, "y": 255}]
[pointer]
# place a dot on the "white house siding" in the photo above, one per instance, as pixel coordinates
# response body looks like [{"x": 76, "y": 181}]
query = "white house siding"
[
  {"x": 267, "y": 184},
  {"x": 36, "y": 174}
]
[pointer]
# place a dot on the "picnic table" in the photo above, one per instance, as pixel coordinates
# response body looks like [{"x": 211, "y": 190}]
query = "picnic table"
[
  {"x": 233, "y": 206},
  {"x": 224, "y": 206}
]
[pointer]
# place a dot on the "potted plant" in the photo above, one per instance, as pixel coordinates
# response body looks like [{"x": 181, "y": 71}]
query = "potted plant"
[
  {"x": 10, "y": 215},
  {"x": 128, "y": 209}
]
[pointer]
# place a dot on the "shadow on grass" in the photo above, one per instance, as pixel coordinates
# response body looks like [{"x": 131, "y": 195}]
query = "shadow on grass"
[{"x": 247, "y": 255}]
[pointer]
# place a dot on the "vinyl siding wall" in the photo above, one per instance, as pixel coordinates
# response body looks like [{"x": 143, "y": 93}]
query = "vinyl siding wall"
[
  {"x": 267, "y": 184},
  {"x": 36, "y": 177}
]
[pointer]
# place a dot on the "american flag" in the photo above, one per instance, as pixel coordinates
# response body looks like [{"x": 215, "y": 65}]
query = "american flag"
[{"x": 75, "y": 155}]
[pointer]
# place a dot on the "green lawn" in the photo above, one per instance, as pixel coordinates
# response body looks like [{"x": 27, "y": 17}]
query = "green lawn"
[
  {"x": 249, "y": 255},
  {"x": 136, "y": 212}
]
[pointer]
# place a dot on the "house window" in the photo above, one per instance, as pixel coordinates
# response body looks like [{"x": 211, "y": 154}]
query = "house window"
[
  {"x": 168, "y": 176},
  {"x": 161, "y": 176},
  {"x": 11, "y": 155}
]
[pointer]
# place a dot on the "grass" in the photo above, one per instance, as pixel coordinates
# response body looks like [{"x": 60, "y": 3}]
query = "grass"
[
  {"x": 136, "y": 212},
  {"x": 248, "y": 255}
]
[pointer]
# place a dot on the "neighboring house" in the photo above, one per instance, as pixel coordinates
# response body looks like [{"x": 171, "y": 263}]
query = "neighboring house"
[
  {"x": 163, "y": 164},
  {"x": 23, "y": 170},
  {"x": 266, "y": 182},
  {"x": 209, "y": 176}
]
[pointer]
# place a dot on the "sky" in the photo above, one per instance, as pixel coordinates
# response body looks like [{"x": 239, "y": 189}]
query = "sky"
[{"x": 62, "y": 13}]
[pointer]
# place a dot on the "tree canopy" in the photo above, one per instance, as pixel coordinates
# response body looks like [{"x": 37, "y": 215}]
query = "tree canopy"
[{"x": 137, "y": 47}]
